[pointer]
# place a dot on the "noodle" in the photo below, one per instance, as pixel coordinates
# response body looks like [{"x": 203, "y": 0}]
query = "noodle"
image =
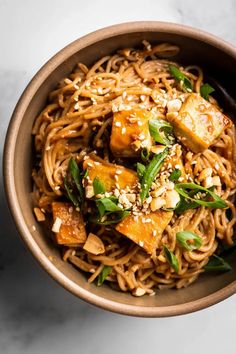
[{"x": 77, "y": 120}]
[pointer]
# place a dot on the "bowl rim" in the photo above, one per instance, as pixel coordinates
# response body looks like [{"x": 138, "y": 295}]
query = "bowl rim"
[{"x": 8, "y": 166}]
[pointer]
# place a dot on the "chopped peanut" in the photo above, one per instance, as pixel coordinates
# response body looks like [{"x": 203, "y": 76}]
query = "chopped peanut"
[
  {"x": 172, "y": 198},
  {"x": 94, "y": 244},
  {"x": 157, "y": 203},
  {"x": 39, "y": 214}
]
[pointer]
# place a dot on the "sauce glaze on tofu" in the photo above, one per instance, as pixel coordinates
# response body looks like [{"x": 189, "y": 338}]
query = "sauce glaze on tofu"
[{"x": 198, "y": 123}]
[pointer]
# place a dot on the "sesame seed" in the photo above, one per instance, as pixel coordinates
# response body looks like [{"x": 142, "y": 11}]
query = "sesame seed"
[
  {"x": 142, "y": 98},
  {"x": 118, "y": 124},
  {"x": 118, "y": 172},
  {"x": 33, "y": 228},
  {"x": 57, "y": 188},
  {"x": 90, "y": 164},
  {"x": 141, "y": 136},
  {"x": 154, "y": 233},
  {"x": 123, "y": 130},
  {"x": 86, "y": 157},
  {"x": 141, "y": 243}
]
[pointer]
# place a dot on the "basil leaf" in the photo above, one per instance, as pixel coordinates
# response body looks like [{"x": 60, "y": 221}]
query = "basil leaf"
[
  {"x": 150, "y": 173},
  {"x": 217, "y": 263},
  {"x": 206, "y": 90},
  {"x": 140, "y": 170},
  {"x": 73, "y": 183},
  {"x": 76, "y": 175},
  {"x": 171, "y": 258},
  {"x": 161, "y": 131},
  {"x": 108, "y": 204},
  {"x": 103, "y": 275},
  {"x": 183, "y": 236},
  {"x": 101, "y": 209},
  {"x": 86, "y": 172},
  {"x": 185, "y": 83},
  {"x": 184, "y": 188},
  {"x": 145, "y": 155},
  {"x": 98, "y": 186},
  {"x": 175, "y": 175},
  {"x": 70, "y": 194},
  {"x": 113, "y": 218}
]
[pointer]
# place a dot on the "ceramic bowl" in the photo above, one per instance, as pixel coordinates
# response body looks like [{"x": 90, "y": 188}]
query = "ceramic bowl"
[{"x": 217, "y": 58}]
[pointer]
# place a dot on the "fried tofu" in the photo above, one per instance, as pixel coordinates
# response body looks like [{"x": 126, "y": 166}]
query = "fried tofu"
[
  {"x": 130, "y": 132},
  {"x": 198, "y": 123},
  {"x": 110, "y": 175},
  {"x": 70, "y": 229},
  {"x": 145, "y": 230}
]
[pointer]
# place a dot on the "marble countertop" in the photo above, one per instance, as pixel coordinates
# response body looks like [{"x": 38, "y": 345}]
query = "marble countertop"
[{"x": 36, "y": 314}]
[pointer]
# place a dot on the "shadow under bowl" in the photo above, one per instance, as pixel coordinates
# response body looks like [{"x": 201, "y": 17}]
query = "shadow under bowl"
[{"x": 215, "y": 56}]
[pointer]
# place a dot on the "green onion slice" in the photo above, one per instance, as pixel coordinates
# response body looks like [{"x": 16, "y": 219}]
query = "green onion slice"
[{"x": 183, "y": 237}]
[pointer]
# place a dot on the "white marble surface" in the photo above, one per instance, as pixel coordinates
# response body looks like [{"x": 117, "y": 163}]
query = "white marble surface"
[{"x": 37, "y": 315}]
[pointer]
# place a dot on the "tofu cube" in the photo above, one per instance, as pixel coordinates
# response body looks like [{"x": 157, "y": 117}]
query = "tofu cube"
[
  {"x": 145, "y": 230},
  {"x": 198, "y": 123},
  {"x": 71, "y": 229},
  {"x": 130, "y": 132},
  {"x": 110, "y": 175}
]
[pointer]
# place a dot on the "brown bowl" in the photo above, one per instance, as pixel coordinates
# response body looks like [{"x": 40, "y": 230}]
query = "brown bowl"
[{"x": 216, "y": 57}]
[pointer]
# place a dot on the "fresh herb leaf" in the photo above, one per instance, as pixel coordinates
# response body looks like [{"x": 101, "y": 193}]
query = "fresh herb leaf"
[
  {"x": 185, "y": 83},
  {"x": 183, "y": 237},
  {"x": 140, "y": 170},
  {"x": 161, "y": 131},
  {"x": 185, "y": 189},
  {"x": 151, "y": 171},
  {"x": 76, "y": 175},
  {"x": 217, "y": 263},
  {"x": 171, "y": 258},
  {"x": 145, "y": 155},
  {"x": 112, "y": 218},
  {"x": 106, "y": 270},
  {"x": 86, "y": 172},
  {"x": 108, "y": 204},
  {"x": 175, "y": 175},
  {"x": 70, "y": 194},
  {"x": 206, "y": 90},
  {"x": 98, "y": 186},
  {"x": 73, "y": 183}
]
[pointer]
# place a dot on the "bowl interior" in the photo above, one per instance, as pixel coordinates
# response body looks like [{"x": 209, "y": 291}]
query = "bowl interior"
[{"x": 214, "y": 61}]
